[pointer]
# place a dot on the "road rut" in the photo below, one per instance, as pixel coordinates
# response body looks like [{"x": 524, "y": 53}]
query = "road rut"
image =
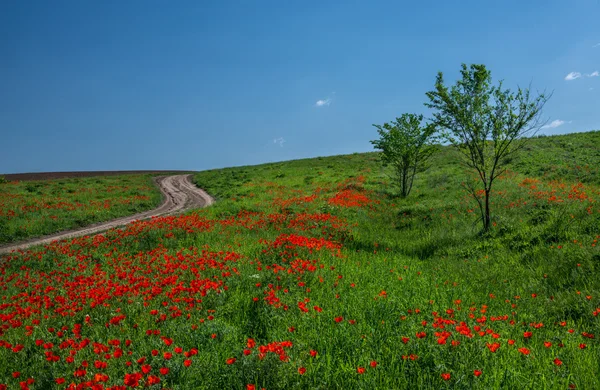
[{"x": 179, "y": 194}]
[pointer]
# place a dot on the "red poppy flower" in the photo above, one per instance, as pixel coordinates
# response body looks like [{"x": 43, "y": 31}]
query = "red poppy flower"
[
  {"x": 231, "y": 360},
  {"x": 373, "y": 364},
  {"x": 446, "y": 376},
  {"x": 187, "y": 362},
  {"x": 164, "y": 370},
  {"x": 558, "y": 362},
  {"x": 477, "y": 373},
  {"x": 301, "y": 370},
  {"x": 360, "y": 370},
  {"x": 313, "y": 353}
]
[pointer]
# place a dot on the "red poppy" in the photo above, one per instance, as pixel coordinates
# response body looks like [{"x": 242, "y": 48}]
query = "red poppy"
[
  {"x": 301, "y": 370},
  {"x": 373, "y": 364},
  {"x": 446, "y": 376},
  {"x": 164, "y": 370},
  {"x": 477, "y": 373},
  {"x": 360, "y": 370},
  {"x": 558, "y": 362},
  {"x": 231, "y": 360},
  {"x": 187, "y": 362}
]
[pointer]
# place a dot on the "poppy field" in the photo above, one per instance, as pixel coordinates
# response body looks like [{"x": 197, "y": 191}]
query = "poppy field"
[
  {"x": 35, "y": 208},
  {"x": 314, "y": 274}
]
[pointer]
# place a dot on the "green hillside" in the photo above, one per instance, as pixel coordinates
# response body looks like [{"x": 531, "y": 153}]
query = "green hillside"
[{"x": 315, "y": 274}]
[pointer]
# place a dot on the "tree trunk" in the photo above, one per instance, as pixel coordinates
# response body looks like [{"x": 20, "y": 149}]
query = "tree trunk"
[
  {"x": 404, "y": 182},
  {"x": 486, "y": 217}
]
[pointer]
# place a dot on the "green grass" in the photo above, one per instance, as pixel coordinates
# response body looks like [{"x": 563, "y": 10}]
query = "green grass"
[
  {"x": 280, "y": 239},
  {"x": 35, "y": 208}
]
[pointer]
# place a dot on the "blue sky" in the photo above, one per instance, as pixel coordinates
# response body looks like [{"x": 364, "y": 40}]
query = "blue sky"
[{"x": 110, "y": 85}]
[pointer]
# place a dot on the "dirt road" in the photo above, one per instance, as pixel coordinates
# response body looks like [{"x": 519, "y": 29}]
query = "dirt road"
[{"x": 179, "y": 193}]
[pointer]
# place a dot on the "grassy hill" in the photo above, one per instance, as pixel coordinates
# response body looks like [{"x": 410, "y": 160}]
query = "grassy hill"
[{"x": 315, "y": 274}]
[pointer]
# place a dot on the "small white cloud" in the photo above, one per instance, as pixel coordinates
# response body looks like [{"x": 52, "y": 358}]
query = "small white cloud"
[
  {"x": 323, "y": 102},
  {"x": 596, "y": 45},
  {"x": 573, "y": 76},
  {"x": 279, "y": 141},
  {"x": 593, "y": 74},
  {"x": 554, "y": 124}
]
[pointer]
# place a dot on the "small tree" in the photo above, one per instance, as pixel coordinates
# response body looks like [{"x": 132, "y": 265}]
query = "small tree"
[
  {"x": 486, "y": 124},
  {"x": 406, "y": 146}
]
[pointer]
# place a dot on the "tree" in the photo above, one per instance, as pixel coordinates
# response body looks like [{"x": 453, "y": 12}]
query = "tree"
[
  {"x": 406, "y": 146},
  {"x": 486, "y": 124}
]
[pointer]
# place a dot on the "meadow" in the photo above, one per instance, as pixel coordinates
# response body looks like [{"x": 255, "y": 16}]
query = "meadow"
[
  {"x": 35, "y": 208},
  {"x": 315, "y": 274}
]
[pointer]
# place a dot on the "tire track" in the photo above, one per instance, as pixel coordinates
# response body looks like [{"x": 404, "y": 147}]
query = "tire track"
[{"x": 179, "y": 195}]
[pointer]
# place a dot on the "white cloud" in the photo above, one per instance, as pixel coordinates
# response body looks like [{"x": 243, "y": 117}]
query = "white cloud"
[
  {"x": 596, "y": 45},
  {"x": 573, "y": 76},
  {"x": 323, "y": 102},
  {"x": 554, "y": 124},
  {"x": 593, "y": 74},
  {"x": 279, "y": 141}
]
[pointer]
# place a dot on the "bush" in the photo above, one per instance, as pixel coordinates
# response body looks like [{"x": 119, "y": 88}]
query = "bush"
[{"x": 3, "y": 180}]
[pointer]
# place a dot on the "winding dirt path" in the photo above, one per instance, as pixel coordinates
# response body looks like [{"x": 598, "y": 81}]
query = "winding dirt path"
[{"x": 179, "y": 194}]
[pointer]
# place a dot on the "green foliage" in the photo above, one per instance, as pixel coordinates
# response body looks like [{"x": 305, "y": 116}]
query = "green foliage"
[
  {"x": 35, "y": 208},
  {"x": 3, "y": 180},
  {"x": 486, "y": 124},
  {"x": 406, "y": 146}
]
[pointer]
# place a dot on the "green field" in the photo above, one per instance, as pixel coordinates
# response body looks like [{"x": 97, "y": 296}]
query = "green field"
[
  {"x": 35, "y": 208},
  {"x": 315, "y": 274}
]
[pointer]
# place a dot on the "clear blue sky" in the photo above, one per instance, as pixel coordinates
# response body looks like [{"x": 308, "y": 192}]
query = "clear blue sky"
[{"x": 112, "y": 85}]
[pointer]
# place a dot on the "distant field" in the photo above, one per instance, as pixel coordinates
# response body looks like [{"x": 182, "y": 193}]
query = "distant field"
[
  {"x": 76, "y": 174},
  {"x": 37, "y": 207},
  {"x": 315, "y": 274}
]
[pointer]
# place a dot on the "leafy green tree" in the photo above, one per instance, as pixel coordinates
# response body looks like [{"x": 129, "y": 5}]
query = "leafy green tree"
[
  {"x": 406, "y": 145},
  {"x": 486, "y": 124}
]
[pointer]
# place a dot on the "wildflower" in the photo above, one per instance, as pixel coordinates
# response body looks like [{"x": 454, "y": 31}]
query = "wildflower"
[
  {"x": 360, "y": 370},
  {"x": 477, "y": 373},
  {"x": 164, "y": 370},
  {"x": 493, "y": 347},
  {"x": 446, "y": 376},
  {"x": 558, "y": 362},
  {"x": 187, "y": 362},
  {"x": 301, "y": 370},
  {"x": 313, "y": 353},
  {"x": 524, "y": 351},
  {"x": 373, "y": 364},
  {"x": 231, "y": 360}
]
